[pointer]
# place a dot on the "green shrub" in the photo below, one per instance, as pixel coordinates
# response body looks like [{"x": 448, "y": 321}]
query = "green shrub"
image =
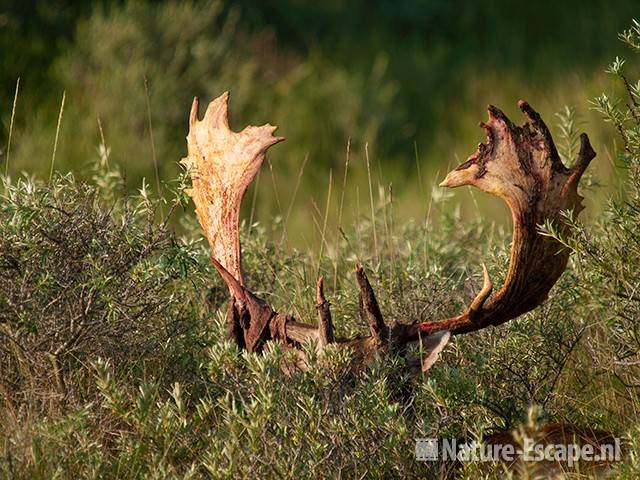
[
  {"x": 82, "y": 278},
  {"x": 606, "y": 253}
]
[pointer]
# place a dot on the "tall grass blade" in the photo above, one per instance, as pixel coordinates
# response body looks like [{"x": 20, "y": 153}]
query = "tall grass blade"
[
  {"x": 13, "y": 115},
  {"x": 55, "y": 143}
]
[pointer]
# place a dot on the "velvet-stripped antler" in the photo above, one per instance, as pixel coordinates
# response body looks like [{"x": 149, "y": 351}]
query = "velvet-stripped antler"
[
  {"x": 521, "y": 165},
  {"x": 518, "y": 164},
  {"x": 222, "y": 165}
]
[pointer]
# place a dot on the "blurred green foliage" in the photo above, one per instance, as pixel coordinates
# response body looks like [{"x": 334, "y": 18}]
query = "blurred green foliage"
[{"x": 411, "y": 79}]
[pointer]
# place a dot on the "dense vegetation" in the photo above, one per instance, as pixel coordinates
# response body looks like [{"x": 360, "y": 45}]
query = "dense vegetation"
[{"x": 114, "y": 361}]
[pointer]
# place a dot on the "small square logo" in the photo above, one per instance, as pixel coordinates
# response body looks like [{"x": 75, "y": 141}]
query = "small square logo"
[{"x": 426, "y": 449}]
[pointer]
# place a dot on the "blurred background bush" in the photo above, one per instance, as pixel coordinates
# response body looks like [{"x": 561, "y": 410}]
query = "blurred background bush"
[{"x": 411, "y": 79}]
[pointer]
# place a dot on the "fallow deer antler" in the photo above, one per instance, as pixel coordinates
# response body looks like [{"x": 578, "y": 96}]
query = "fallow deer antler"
[
  {"x": 222, "y": 164},
  {"x": 518, "y": 164}
]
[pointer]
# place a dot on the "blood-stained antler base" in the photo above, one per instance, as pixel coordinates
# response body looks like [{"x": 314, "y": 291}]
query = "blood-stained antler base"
[{"x": 519, "y": 164}]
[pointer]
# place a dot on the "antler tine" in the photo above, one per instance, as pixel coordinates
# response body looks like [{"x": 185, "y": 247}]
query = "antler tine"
[
  {"x": 370, "y": 305},
  {"x": 481, "y": 297},
  {"x": 325, "y": 326}
]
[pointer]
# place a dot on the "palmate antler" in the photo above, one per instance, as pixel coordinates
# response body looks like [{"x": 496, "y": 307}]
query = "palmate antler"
[{"x": 518, "y": 164}]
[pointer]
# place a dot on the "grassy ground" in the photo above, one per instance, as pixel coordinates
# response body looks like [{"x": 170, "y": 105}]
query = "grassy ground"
[{"x": 152, "y": 388}]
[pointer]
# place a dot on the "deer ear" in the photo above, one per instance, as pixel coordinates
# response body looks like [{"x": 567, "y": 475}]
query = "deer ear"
[{"x": 432, "y": 345}]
